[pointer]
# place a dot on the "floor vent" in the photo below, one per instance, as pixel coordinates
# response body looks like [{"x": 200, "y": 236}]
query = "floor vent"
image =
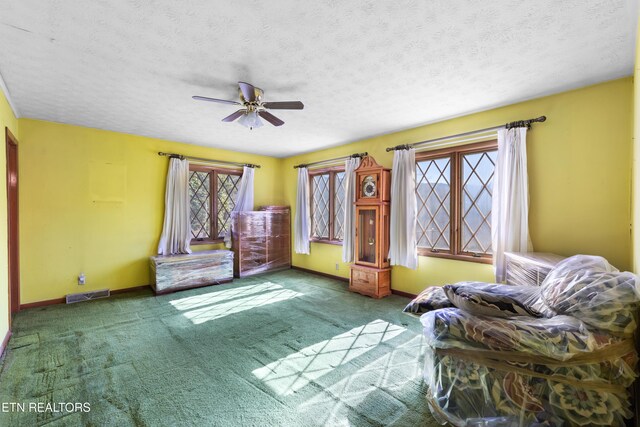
[{"x": 86, "y": 296}]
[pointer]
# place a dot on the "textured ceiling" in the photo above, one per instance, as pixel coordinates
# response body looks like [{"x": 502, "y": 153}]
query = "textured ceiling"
[{"x": 362, "y": 68}]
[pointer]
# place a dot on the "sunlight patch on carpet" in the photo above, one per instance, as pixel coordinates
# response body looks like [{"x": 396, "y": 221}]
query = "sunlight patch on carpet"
[
  {"x": 289, "y": 374},
  {"x": 377, "y": 384},
  {"x": 238, "y": 305},
  {"x": 210, "y": 298}
]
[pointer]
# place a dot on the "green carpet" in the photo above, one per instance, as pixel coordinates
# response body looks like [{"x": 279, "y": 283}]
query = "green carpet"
[{"x": 280, "y": 349}]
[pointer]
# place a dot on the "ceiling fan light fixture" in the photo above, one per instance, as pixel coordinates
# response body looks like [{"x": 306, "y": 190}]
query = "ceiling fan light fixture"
[
  {"x": 252, "y": 108},
  {"x": 250, "y": 120}
]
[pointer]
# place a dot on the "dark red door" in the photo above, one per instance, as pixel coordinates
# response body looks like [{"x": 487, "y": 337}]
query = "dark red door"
[{"x": 12, "y": 216}]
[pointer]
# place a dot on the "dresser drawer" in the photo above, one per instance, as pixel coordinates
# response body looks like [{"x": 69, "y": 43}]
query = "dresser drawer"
[
  {"x": 362, "y": 287},
  {"x": 370, "y": 281},
  {"x": 363, "y": 278}
]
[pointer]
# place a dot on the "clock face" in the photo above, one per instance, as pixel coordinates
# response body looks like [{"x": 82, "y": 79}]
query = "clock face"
[{"x": 369, "y": 186}]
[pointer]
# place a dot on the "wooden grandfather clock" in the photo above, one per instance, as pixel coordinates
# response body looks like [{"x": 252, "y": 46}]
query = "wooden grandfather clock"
[{"x": 371, "y": 273}]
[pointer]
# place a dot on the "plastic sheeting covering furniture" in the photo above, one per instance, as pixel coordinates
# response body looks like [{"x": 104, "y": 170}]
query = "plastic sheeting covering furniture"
[
  {"x": 571, "y": 369},
  {"x": 261, "y": 240},
  {"x": 171, "y": 273},
  {"x": 529, "y": 268}
]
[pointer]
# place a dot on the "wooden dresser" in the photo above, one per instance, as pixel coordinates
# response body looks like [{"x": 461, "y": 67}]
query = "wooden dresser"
[{"x": 261, "y": 240}]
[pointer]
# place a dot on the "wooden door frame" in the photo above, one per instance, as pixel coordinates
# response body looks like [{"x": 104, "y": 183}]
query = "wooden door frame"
[{"x": 12, "y": 226}]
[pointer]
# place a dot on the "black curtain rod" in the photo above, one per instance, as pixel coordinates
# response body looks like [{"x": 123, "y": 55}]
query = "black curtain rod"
[
  {"x": 200, "y": 159},
  {"x": 510, "y": 125},
  {"x": 351, "y": 156}
]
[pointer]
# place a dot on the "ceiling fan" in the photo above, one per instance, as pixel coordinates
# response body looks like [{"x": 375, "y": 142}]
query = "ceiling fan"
[{"x": 253, "y": 106}]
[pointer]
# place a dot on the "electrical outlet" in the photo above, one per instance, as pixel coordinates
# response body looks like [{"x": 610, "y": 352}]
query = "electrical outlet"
[
  {"x": 81, "y": 279},
  {"x": 337, "y": 266}
]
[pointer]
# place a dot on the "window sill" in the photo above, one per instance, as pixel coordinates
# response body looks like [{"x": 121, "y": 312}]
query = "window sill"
[
  {"x": 467, "y": 258},
  {"x": 206, "y": 242},
  {"x": 327, "y": 242}
]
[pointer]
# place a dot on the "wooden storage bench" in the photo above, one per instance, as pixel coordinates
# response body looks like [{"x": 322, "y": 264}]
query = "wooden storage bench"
[{"x": 171, "y": 273}]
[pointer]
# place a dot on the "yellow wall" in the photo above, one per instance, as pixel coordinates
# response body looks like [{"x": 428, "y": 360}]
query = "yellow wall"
[
  {"x": 636, "y": 154},
  {"x": 579, "y": 176},
  {"x": 7, "y": 119},
  {"x": 92, "y": 201}
]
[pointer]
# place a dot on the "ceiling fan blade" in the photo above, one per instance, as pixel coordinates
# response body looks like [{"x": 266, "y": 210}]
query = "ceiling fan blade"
[
  {"x": 248, "y": 91},
  {"x": 232, "y": 117},
  {"x": 286, "y": 105},
  {"x": 270, "y": 118},
  {"x": 221, "y": 101}
]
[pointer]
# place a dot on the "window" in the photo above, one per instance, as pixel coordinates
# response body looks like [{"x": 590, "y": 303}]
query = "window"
[
  {"x": 327, "y": 205},
  {"x": 453, "y": 188},
  {"x": 212, "y": 196}
]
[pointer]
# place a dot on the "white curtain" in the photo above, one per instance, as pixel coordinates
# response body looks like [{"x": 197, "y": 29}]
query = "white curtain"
[
  {"x": 302, "y": 220},
  {"x": 349, "y": 239},
  {"x": 403, "y": 249},
  {"x": 176, "y": 230},
  {"x": 244, "y": 198},
  {"x": 510, "y": 204}
]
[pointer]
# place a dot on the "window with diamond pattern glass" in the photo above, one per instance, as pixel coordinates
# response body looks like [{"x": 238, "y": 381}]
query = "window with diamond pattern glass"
[
  {"x": 477, "y": 188},
  {"x": 320, "y": 206},
  {"x": 200, "y": 204},
  {"x": 433, "y": 191},
  {"x": 227, "y": 193},
  {"x": 445, "y": 177},
  {"x": 338, "y": 206},
  {"x": 327, "y": 205},
  {"x": 205, "y": 187}
]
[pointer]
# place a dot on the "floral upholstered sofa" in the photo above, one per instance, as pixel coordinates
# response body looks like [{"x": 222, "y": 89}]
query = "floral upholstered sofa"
[{"x": 559, "y": 354}]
